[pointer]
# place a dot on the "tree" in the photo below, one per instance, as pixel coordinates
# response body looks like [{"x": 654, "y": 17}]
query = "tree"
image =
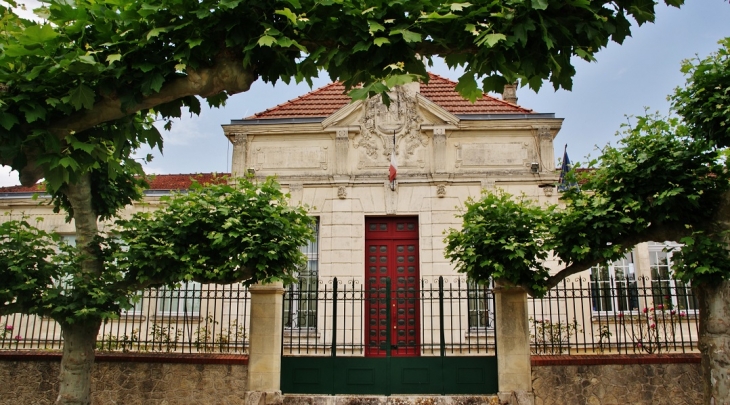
[
  {"x": 668, "y": 180},
  {"x": 242, "y": 232},
  {"x": 80, "y": 89}
]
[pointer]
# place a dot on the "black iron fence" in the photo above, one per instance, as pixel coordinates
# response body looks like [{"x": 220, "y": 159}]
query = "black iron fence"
[
  {"x": 440, "y": 316},
  {"x": 448, "y": 316},
  {"x": 191, "y": 319},
  {"x": 624, "y": 315}
]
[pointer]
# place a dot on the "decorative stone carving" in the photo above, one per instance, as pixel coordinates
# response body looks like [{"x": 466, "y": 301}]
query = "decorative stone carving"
[
  {"x": 240, "y": 152},
  {"x": 291, "y": 157},
  {"x": 342, "y": 145},
  {"x": 441, "y": 190},
  {"x": 492, "y": 154},
  {"x": 342, "y": 192},
  {"x": 380, "y": 123}
]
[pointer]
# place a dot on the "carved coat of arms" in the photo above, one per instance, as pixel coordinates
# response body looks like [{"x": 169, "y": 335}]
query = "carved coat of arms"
[{"x": 380, "y": 123}]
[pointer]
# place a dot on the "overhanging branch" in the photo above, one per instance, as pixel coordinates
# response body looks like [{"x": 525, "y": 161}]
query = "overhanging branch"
[
  {"x": 227, "y": 74},
  {"x": 652, "y": 233}
]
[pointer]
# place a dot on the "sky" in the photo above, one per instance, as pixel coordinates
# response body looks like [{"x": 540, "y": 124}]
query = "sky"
[{"x": 624, "y": 81}]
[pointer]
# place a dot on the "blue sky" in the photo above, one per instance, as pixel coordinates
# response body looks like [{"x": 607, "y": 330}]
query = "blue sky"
[{"x": 625, "y": 79}]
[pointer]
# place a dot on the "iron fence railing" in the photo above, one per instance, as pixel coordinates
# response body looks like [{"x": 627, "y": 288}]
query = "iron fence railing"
[
  {"x": 440, "y": 316},
  {"x": 191, "y": 319},
  {"x": 341, "y": 317},
  {"x": 614, "y": 316}
]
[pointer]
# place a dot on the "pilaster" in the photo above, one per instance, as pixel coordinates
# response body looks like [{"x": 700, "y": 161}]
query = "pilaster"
[
  {"x": 240, "y": 152},
  {"x": 439, "y": 150},
  {"x": 342, "y": 146}
]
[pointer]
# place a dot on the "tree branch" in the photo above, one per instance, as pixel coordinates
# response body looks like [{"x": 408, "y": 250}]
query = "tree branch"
[
  {"x": 227, "y": 74},
  {"x": 658, "y": 232}
]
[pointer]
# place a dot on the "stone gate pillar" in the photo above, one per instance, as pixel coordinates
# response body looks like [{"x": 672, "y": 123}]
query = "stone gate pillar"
[
  {"x": 513, "y": 344},
  {"x": 264, "y": 363}
]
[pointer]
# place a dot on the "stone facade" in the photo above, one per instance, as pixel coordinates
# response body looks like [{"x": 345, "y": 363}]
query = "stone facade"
[
  {"x": 614, "y": 384},
  {"x": 128, "y": 383}
]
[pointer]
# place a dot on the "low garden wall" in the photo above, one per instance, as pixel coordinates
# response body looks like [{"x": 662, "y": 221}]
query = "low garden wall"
[
  {"x": 174, "y": 379},
  {"x": 146, "y": 379},
  {"x": 619, "y": 379}
]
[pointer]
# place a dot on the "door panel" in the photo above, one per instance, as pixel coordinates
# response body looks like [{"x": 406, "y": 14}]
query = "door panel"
[{"x": 391, "y": 254}]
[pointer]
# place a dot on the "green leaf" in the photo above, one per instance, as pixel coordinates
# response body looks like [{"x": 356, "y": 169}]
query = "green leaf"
[
  {"x": 288, "y": 14},
  {"x": 113, "y": 58},
  {"x": 467, "y": 87},
  {"x": 489, "y": 39},
  {"x": 540, "y": 4},
  {"x": 81, "y": 96},
  {"x": 33, "y": 112},
  {"x": 375, "y": 27},
  {"x": 157, "y": 82},
  {"x": 266, "y": 40},
  {"x": 156, "y": 32},
  {"x": 381, "y": 41},
  {"x": 192, "y": 43},
  {"x": 459, "y": 6},
  {"x": 8, "y": 120},
  {"x": 37, "y": 34},
  {"x": 408, "y": 36}
]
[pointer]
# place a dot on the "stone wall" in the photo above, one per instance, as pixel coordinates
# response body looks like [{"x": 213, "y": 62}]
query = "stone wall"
[
  {"x": 128, "y": 381},
  {"x": 595, "y": 380}
]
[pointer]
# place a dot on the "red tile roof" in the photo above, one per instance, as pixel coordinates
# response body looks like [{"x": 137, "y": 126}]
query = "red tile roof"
[
  {"x": 326, "y": 100},
  {"x": 157, "y": 182}
]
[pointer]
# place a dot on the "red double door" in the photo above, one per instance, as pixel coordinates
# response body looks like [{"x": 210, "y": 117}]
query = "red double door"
[{"x": 391, "y": 253}]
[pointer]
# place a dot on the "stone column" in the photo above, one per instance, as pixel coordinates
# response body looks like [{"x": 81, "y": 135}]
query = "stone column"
[
  {"x": 240, "y": 150},
  {"x": 264, "y": 363},
  {"x": 513, "y": 344}
]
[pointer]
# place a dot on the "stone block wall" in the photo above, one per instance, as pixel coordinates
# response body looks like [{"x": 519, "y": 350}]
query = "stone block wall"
[
  {"x": 608, "y": 380},
  {"x": 129, "y": 381}
]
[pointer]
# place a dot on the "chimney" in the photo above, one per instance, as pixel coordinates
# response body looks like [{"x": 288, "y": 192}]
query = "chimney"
[{"x": 509, "y": 94}]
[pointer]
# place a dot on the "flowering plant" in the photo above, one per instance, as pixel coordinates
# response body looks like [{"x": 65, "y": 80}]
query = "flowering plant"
[{"x": 654, "y": 329}]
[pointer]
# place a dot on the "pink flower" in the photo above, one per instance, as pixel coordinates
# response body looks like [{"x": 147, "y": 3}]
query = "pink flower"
[
  {"x": 682, "y": 313},
  {"x": 672, "y": 312},
  {"x": 18, "y": 338},
  {"x": 620, "y": 314},
  {"x": 651, "y": 309},
  {"x": 660, "y": 307},
  {"x": 653, "y": 326},
  {"x": 638, "y": 345},
  {"x": 8, "y": 327},
  {"x": 646, "y": 310}
]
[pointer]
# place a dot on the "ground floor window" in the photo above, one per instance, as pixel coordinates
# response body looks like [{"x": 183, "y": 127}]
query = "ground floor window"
[
  {"x": 667, "y": 291},
  {"x": 479, "y": 299},
  {"x": 184, "y": 300},
  {"x": 613, "y": 286},
  {"x": 300, "y": 305}
]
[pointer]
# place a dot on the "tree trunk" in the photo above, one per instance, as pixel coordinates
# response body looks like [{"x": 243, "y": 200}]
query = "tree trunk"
[
  {"x": 79, "y": 341},
  {"x": 79, "y": 337},
  {"x": 714, "y": 338}
]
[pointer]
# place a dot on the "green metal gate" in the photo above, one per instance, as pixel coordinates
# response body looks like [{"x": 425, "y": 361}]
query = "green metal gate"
[{"x": 447, "y": 369}]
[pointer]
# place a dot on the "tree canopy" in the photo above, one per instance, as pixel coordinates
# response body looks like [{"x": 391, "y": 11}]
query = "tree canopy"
[
  {"x": 75, "y": 84},
  {"x": 668, "y": 180}
]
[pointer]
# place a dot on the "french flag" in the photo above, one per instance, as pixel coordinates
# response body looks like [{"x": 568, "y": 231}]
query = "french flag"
[{"x": 393, "y": 169}]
